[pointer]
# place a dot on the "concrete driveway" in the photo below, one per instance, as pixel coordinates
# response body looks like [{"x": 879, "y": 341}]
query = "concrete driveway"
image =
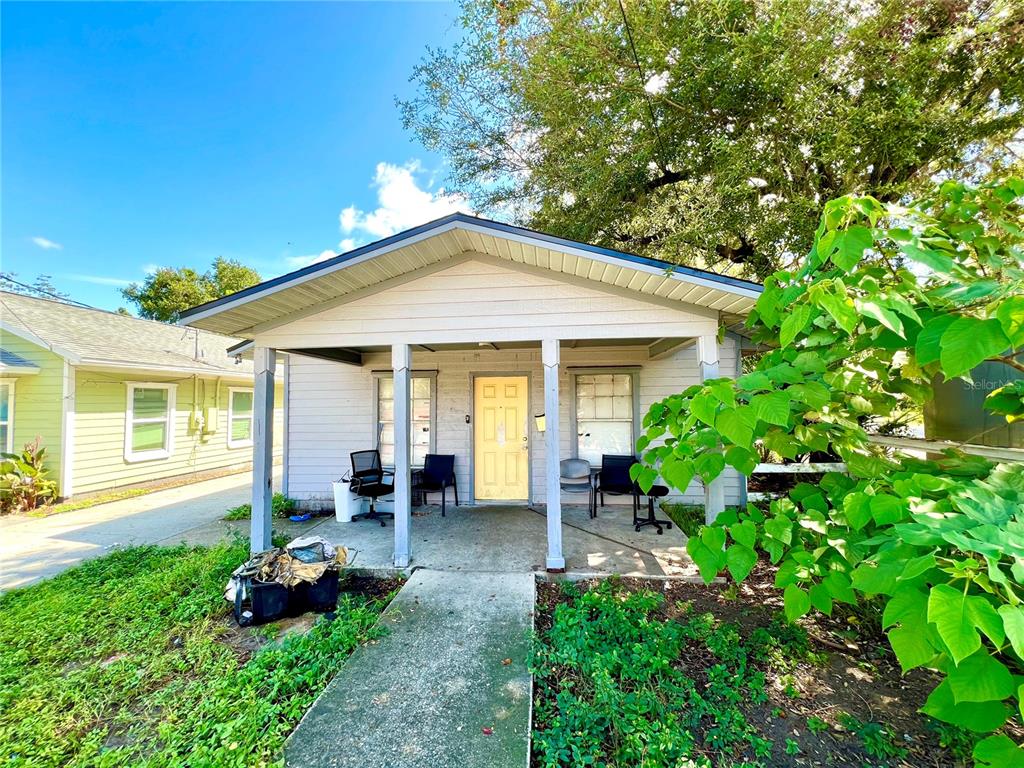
[{"x": 33, "y": 548}]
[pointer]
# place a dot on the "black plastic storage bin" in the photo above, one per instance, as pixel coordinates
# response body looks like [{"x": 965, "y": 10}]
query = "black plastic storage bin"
[
  {"x": 320, "y": 596},
  {"x": 268, "y": 601}
]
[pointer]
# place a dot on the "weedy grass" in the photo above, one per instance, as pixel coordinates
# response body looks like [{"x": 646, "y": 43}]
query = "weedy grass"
[
  {"x": 280, "y": 506},
  {"x": 131, "y": 659}
]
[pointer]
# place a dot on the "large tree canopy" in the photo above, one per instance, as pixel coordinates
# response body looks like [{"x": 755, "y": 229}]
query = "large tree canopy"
[
  {"x": 168, "y": 292},
  {"x": 720, "y": 140}
]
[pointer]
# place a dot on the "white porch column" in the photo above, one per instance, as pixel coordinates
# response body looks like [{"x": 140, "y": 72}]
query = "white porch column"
[
  {"x": 401, "y": 363},
  {"x": 714, "y": 492},
  {"x": 262, "y": 448},
  {"x": 552, "y": 439}
]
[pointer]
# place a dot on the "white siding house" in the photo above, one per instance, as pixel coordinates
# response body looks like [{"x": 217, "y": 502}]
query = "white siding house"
[{"x": 456, "y": 337}]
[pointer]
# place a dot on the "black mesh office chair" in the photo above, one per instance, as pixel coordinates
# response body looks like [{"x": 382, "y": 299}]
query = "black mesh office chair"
[
  {"x": 368, "y": 479},
  {"x": 614, "y": 479},
  {"x": 438, "y": 473}
]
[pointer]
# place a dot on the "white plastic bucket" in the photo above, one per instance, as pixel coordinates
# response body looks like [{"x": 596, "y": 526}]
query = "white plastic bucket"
[{"x": 346, "y": 503}]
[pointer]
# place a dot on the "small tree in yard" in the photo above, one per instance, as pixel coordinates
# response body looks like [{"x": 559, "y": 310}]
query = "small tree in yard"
[{"x": 888, "y": 298}]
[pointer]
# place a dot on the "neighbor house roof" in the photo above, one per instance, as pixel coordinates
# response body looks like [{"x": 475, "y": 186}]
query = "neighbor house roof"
[
  {"x": 272, "y": 301},
  {"x": 97, "y": 338},
  {"x": 11, "y": 362}
]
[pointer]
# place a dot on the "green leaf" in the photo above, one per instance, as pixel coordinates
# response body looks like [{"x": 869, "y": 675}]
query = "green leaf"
[
  {"x": 1013, "y": 625},
  {"x": 821, "y": 598},
  {"x": 740, "y": 561},
  {"x": 911, "y": 647},
  {"x": 709, "y": 466},
  {"x": 1011, "y": 317},
  {"x": 886, "y": 509},
  {"x": 857, "y": 508},
  {"x": 772, "y": 408},
  {"x": 849, "y": 245},
  {"x": 841, "y": 309},
  {"x": 678, "y": 473},
  {"x": 999, "y": 751},
  {"x": 968, "y": 341},
  {"x": 709, "y": 561},
  {"x": 877, "y": 578},
  {"x": 982, "y": 717},
  {"x": 796, "y": 602},
  {"x": 744, "y": 533},
  {"x": 794, "y": 323},
  {"x": 745, "y": 461},
  {"x": 779, "y": 528},
  {"x": 732, "y": 425},
  {"x": 980, "y": 678},
  {"x": 935, "y": 260},
  {"x": 958, "y": 617},
  {"x": 705, "y": 408},
  {"x": 839, "y": 587},
  {"x": 927, "y": 347},
  {"x": 886, "y": 317}
]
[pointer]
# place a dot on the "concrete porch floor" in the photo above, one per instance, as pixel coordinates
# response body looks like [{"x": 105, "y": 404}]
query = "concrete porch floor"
[{"x": 513, "y": 539}]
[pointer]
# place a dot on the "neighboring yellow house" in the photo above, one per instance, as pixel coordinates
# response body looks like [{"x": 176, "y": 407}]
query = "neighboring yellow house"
[{"x": 121, "y": 402}]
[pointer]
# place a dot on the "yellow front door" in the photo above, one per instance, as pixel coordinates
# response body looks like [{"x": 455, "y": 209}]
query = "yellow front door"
[{"x": 501, "y": 450}]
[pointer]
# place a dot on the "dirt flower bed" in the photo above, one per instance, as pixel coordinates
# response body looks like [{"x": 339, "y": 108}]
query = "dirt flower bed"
[
  {"x": 133, "y": 660},
  {"x": 632, "y": 672}
]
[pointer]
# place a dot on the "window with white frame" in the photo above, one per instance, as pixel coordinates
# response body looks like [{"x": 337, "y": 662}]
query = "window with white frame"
[
  {"x": 239, "y": 417},
  {"x": 149, "y": 425},
  {"x": 7, "y": 416},
  {"x": 421, "y": 416},
  {"x": 604, "y": 415}
]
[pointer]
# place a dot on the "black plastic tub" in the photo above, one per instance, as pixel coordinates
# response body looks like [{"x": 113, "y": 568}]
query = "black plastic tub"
[{"x": 320, "y": 596}]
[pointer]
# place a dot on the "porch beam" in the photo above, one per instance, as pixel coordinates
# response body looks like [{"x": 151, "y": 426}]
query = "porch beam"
[
  {"x": 336, "y": 355},
  {"x": 662, "y": 348},
  {"x": 550, "y": 355},
  {"x": 714, "y": 492},
  {"x": 264, "y": 359},
  {"x": 401, "y": 365}
]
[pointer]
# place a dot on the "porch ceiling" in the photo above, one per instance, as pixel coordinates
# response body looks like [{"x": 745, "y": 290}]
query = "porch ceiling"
[{"x": 442, "y": 240}]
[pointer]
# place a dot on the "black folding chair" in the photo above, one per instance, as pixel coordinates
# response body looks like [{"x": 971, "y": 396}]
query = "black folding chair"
[
  {"x": 614, "y": 479},
  {"x": 368, "y": 479},
  {"x": 438, "y": 473}
]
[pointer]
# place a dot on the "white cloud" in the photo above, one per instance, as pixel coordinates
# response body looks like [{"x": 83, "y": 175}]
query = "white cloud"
[
  {"x": 99, "y": 280},
  {"x": 405, "y": 198},
  {"x": 297, "y": 262},
  {"x": 47, "y": 245},
  {"x": 402, "y": 203},
  {"x": 151, "y": 269}
]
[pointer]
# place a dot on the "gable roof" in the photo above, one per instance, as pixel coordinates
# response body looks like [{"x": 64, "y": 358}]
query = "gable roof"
[
  {"x": 445, "y": 238},
  {"x": 94, "y": 337}
]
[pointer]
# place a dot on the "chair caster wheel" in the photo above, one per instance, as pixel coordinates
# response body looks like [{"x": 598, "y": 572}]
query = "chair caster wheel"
[
  {"x": 636, "y": 528},
  {"x": 659, "y": 531},
  {"x": 382, "y": 524},
  {"x": 669, "y": 526}
]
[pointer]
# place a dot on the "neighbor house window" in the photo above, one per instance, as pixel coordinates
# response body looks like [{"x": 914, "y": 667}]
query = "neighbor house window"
[
  {"x": 604, "y": 415},
  {"x": 149, "y": 432},
  {"x": 239, "y": 417},
  {"x": 7, "y": 416},
  {"x": 421, "y": 418}
]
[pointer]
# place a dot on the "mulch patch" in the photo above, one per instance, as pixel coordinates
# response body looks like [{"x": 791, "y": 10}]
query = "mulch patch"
[{"x": 854, "y": 672}]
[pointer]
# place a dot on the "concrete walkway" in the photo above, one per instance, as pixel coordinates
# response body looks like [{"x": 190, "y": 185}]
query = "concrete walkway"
[
  {"x": 447, "y": 687},
  {"x": 34, "y": 548}
]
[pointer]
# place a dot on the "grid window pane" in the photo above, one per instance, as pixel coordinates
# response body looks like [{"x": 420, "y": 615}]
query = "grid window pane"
[
  {"x": 149, "y": 403},
  {"x": 420, "y": 406},
  {"x": 241, "y": 403},
  {"x": 241, "y": 429},
  {"x": 4, "y": 433},
  {"x": 604, "y": 415},
  {"x": 149, "y": 437},
  {"x": 5, "y": 404}
]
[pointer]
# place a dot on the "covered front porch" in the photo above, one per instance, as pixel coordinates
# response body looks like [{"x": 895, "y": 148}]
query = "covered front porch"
[{"x": 512, "y": 539}]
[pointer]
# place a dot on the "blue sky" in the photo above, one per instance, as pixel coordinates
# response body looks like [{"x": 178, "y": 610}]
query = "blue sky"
[{"x": 149, "y": 134}]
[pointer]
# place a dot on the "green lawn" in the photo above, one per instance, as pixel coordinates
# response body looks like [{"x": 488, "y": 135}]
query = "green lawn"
[{"x": 131, "y": 659}]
